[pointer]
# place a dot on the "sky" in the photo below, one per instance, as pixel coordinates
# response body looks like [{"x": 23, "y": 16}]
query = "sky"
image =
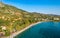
[{"x": 40, "y": 6}]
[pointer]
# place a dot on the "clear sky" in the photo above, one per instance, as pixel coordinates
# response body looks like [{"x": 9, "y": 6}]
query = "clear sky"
[{"x": 40, "y": 6}]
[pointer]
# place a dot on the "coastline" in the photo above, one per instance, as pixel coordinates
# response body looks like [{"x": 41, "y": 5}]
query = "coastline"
[{"x": 16, "y": 33}]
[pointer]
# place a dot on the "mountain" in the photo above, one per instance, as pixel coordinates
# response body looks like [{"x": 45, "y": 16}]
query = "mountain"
[{"x": 14, "y": 19}]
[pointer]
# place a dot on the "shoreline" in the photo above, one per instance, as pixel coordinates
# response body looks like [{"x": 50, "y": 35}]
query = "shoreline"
[{"x": 16, "y": 33}]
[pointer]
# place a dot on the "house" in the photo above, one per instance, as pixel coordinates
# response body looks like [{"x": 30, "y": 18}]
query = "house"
[
  {"x": 3, "y": 27},
  {"x": 56, "y": 18},
  {"x": 2, "y": 33},
  {"x": 3, "y": 17}
]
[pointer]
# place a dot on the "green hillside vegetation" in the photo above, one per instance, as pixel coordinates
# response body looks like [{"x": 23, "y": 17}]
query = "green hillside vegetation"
[{"x": 14, "y": 19}]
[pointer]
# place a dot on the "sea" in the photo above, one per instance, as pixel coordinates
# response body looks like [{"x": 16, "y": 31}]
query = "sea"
[{"x": 42, "y": 30}]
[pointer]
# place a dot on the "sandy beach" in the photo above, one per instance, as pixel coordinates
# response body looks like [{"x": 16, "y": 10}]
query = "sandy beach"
[{"x": 16, "y": 33}]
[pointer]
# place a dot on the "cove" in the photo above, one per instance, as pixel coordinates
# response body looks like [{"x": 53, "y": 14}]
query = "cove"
[{"x": 42, "y": 30}]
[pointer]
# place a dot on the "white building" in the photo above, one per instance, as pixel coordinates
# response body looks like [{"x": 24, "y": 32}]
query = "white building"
[
  {"x": 56, "y": 18},
  {"x": 3, "y": 27}
]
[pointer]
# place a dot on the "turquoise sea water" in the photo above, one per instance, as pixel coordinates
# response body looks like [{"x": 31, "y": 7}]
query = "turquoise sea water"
[{"x": 42, "y": 30}]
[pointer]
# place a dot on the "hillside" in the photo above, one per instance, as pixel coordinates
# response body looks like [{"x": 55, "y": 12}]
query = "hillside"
[{"x": 13, "y": 19}]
